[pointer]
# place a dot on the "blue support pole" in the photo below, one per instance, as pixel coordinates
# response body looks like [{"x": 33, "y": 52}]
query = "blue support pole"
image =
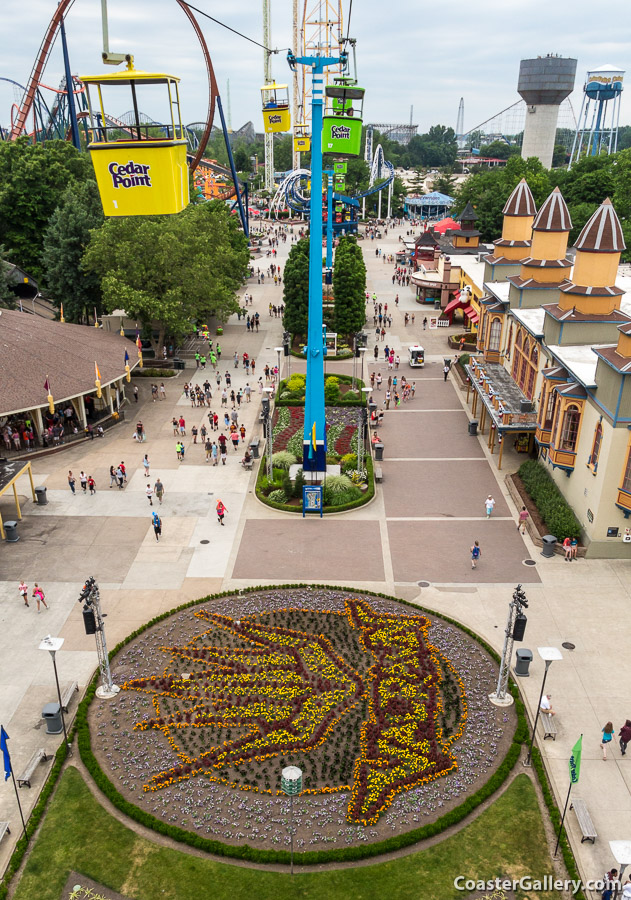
[
  {"x": 314, "y": 436},
  {"x": 72, "y": 112},
  {"x": 596, "y": 139},
  {"x": 329, "y": 218}
]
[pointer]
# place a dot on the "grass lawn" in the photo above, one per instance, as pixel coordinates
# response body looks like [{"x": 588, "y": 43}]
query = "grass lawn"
[{"x": 77, "y": 833}]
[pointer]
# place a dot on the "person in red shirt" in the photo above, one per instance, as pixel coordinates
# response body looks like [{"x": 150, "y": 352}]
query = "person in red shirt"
[
  {"x": 234, "y": 437},
  {"x": 182, "y": 424},
  {"x": 221, "y": 511}
]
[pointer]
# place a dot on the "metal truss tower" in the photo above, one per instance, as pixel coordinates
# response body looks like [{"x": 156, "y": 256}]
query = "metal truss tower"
[
  {"x": 321, "y": 35},
  {"x": 267, "y": 79}
]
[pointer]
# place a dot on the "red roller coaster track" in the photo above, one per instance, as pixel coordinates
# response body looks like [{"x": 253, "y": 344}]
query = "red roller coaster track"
[{"x": 18, "y": 125}]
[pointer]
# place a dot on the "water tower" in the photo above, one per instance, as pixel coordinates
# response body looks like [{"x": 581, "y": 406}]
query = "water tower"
[
  {"x": 597, "y": 129},
  {"x": 544, "y": 83}
]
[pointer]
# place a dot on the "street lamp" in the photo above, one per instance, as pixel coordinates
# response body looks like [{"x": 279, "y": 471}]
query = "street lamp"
[
  {"x": 361, "y": 437},
  {"x": 362, "y": 350},
  {"x": 267, "y": 413},
  {"x": 548, "y": 655},
  {"x": 53, "y": 645},
  {"x": 291, "y": 784},
  {"x": 278, "y": 350}
]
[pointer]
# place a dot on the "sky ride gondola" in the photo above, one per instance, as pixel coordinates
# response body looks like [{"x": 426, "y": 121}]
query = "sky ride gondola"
[
  {"x": 276, "y": 114},
  {"x": 145, "y": 172},
  {"x": 302, "y": 138},
  {"x": 342, "y": 121}
]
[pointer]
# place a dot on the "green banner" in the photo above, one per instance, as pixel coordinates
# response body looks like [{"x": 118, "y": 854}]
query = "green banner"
[{"x": 575, "y": 761}]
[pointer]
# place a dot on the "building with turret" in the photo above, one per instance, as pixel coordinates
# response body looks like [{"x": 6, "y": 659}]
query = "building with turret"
[{"x": 553, "y": 369}]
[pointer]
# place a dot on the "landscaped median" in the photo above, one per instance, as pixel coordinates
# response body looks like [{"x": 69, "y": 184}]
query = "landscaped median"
[{"x": 354, "y": 486}]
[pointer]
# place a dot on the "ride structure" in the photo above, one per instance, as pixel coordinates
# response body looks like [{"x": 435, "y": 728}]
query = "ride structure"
[{"x": 599, "y": 118}]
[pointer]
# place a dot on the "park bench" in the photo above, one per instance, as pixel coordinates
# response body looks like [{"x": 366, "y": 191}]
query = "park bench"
[
  {"x": 247, "y": 465},
  {"x": 27, "y": 773},
  {"x": 549, "y": 726},
  {"x": 584, "y": 820},
  {"x": 66, "y": 697},
  {"x": 378, "y": 474},
  {"x": 4, "y": 829}
]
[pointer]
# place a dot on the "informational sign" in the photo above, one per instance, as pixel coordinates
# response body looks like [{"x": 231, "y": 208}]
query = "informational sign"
[
  {"x": 433, "y": 322},
  {"x": 312, "y": 499},
  {"x": 340, "y": 168}
]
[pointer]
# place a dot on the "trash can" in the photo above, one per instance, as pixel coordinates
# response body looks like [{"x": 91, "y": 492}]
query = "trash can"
[
  {"x": 178, "y": 363},
  {"x": 51, "y": 714},
  {"x": 549, "y": 541},
  {"x": 40, "y": 493},
  {"x": 436, "y": 304},
  {"x": 473, "y": 427},
  {"x": 11, "y": 532},
  {"x": 524, "y": 658},
  {"x": 378, "y": 450},
  {"x": 254, "y": 449}
]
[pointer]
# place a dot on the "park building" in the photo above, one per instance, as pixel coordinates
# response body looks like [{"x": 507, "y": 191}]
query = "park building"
[
  {"x": 57, "y": 379},
  {"x": 552, "y": 371}
]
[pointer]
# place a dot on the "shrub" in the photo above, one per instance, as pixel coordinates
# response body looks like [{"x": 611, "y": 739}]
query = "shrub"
[
  {"x": 278, "y": 496},
  {"x": 464, "y": 359},
  {"x": 297, "y": 383},
  {"x": 339, "y": 489},
  {"x": 331, "y": 389},
  {"x": 349, "y": 462},
  {"x": 288, "y": 488},
  {"x": 283, "y": 459},
  {"x": 299, "y": 481},
  {"x": 557, "y": 514}
]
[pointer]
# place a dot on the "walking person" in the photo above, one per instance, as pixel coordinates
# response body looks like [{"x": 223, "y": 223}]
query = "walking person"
[
  {"x": 71, "y": 481},
  {"x": 38, "y": 593},
  {"x": 489, "y": 505},
  {"x": 23, "y": 592},
  {"x": 149, "y": 493},
  {"x": 624, "y": 734},
  {"x": 145, "y": 463},
  {"x": 445, "y": 371},
  {"x": 159, "y": 490},
  {"x": 83, "y": 481},
  {"x": 221, "y": 511},
  {"x": 476, "y": 553},
  {"x": 120, "y": 477},
  {"x": 136, "y": 393},
  {"x": 523, "y": 517},
  {"x": 112, "y": 477},
  {"x": 607, "y": 737},
  {"x": 157, "y": 525},
  {"x": 92, "y": 484}
]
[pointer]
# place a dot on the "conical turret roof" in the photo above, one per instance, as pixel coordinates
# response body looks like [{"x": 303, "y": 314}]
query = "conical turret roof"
[
  {"x": 602, "y": 233},
  {"x": 553, "y": 215},
  {"x": 521, "y": 202},
  {"x": 468, "y": 214}
]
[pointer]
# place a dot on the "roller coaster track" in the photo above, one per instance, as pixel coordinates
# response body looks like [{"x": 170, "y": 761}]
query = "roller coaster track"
[{"x": 18, "y": 123}]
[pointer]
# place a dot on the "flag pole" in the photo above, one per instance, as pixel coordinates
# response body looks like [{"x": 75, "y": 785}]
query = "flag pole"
[
  {"x": 8, "y": 768},
  {"x": 567, "y": 800}
]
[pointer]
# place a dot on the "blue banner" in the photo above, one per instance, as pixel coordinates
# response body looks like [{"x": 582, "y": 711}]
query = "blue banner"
[{"x": 4, "y": 737}]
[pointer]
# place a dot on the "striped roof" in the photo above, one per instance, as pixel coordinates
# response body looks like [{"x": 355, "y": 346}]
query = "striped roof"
[
  {"x": 603, "y": 232},
  {"x": 553, "y": 215},
  {"x": 521, "y": 202}
]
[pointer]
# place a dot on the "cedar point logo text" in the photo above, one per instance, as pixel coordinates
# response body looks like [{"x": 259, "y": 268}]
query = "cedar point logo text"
[
  {"x": 340, "y": 132},
  {"x": 130, "y": 175}
]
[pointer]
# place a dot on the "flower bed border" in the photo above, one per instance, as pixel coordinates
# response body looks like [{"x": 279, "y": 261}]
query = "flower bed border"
[
  {"x": 315, "y": 857},
  {"x": 345, "y": 507},
  {"x": 343, "y": 379}
]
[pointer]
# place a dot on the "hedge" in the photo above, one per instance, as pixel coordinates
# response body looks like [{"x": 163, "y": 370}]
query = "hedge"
[
  {"x": 556, "y": 512},
  {"x": 315, "y": 857},
  {"x": 153, "y": 373},
  {"x": 343, "y": 379}
]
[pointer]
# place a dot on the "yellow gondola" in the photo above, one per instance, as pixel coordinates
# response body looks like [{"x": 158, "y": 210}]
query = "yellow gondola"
[
  {"x": 276, "y": 115},
  {"x": 141, "y": 169},
  {"x": 302, "y": 138}
]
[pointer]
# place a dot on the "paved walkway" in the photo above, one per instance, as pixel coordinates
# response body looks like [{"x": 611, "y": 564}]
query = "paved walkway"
[{"x": 418, "y": 528}]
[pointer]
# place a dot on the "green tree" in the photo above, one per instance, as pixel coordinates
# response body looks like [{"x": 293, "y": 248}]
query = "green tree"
[
  {"x": 349, "y": 283},
  {"x": 499, "y": 150},
  {"x": 170, "y": 271},
  {"x": 65, "y": 241},
  {"x": 33, "y": 178},
  {"x": 7, "y": 297},
  {"x": 296, "y": 289},
  {"x": 444, "y": 184}
]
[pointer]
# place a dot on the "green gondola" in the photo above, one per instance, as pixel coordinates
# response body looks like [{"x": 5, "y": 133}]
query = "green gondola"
[{"x": 342, "y": 122}]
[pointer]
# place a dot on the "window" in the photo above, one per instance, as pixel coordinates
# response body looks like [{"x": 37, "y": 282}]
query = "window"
[
  {"x": 518, "y": 339},
  {"x": 549, "y": 410},
  {"x": 598, "y": 439},
  {"x": 495, "y": 333},
  {"x": 510, "y": 341},
  {"x": 569, "y": 428},
  {"x": 626, "y": 481},
  {"x": 525, "y": 363},
  {"x": 534, "y": 357},
  {"x": 515, "y": 369}
]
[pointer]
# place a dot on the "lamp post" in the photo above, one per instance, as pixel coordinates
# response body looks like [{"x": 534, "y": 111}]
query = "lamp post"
[
  {"x": 279, "y": 351},
  {"x": 291, "y": 784},
  {"x": 548, "y": 655},
  {"x": 53, "y": 645},
  {"x": 361, "y": 438},
  {"x": 362, "y": 350},
  {"x": 267, "y": 410}
]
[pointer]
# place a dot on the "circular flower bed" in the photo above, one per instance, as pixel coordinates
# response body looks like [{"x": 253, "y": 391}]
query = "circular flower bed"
[{"x": 384, "y": 708}]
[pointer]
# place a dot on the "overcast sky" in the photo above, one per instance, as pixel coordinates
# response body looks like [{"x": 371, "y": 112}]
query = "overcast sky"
[{"x": 423, "y": 54}]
